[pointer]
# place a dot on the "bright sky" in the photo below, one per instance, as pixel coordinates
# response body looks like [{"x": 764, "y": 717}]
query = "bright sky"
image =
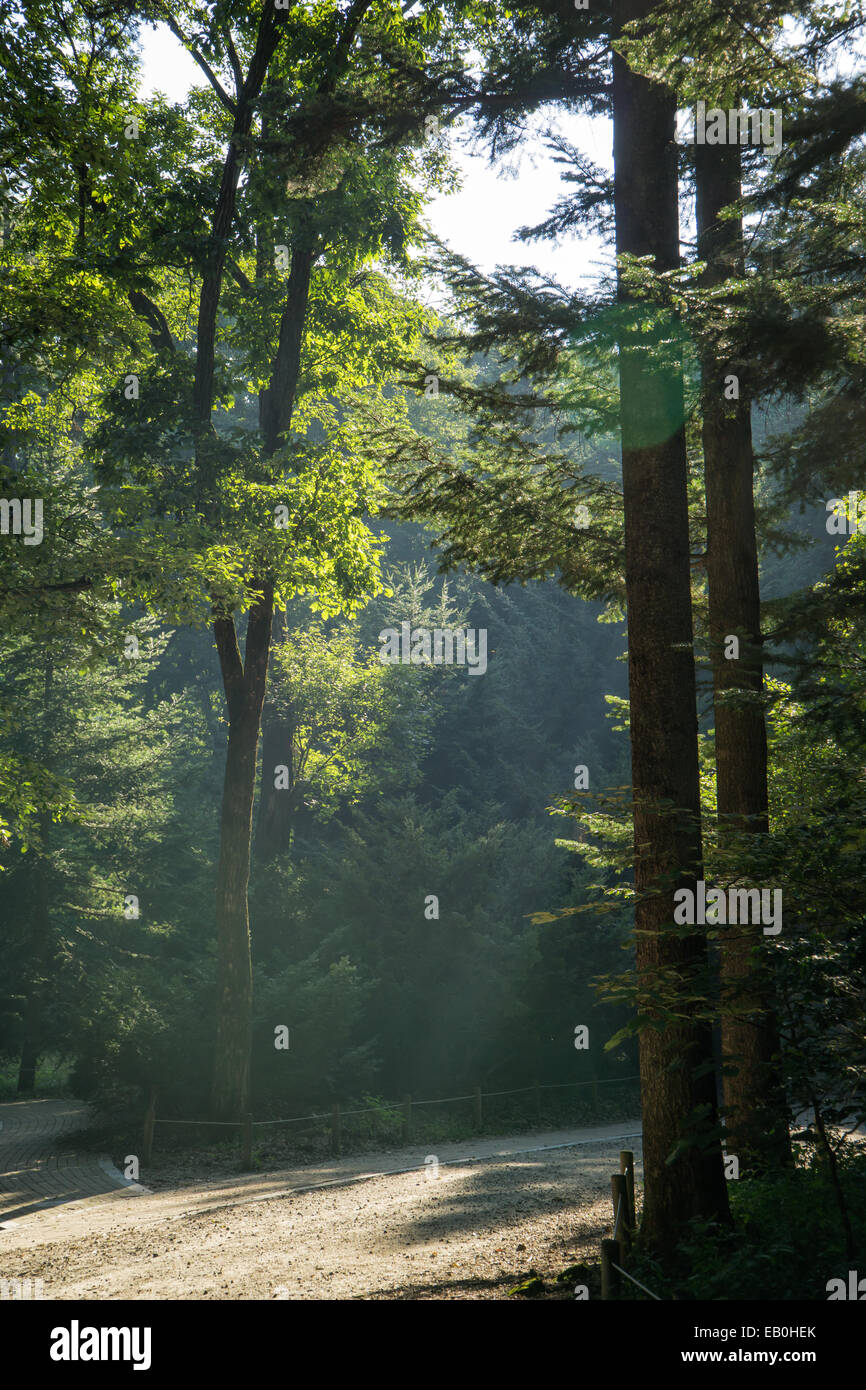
[{"x": 479, "y": 220}]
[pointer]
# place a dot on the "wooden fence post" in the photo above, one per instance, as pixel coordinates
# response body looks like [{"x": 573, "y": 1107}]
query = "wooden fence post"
[
  {"x": 609, "y": 1277},
  {"x": 619, "y": 1193},
  {"x": 149, "y": 1121},
  {"x": 407, "y": 1119},
  {"x": 247, "y": 1141},
  {"x": 336, "y": 1129},
  {"x": 479, "y": 1113},
  {"x": 626, "y": 1166}
]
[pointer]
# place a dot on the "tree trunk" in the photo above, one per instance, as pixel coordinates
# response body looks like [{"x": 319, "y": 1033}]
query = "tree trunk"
[
  {"x": 677, "y": 1084},
  {"x": 754, "y": 1095},
  {"x": 245, "y": 683},
  {"x": 276, "y": 402},
  {"x": 234, "y": 981},
  {"x": 245, "y": 692},
  {"x": 40, "y": 922},
  {"x": 40, "y": 948}
]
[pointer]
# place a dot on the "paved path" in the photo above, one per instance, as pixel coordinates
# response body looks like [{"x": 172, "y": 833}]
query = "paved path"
[{"x": 40, "y": 1166}]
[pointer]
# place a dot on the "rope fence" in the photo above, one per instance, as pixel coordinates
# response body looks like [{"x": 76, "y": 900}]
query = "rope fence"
[
  {"x": 335, "y": 1117},
  {"x": 615, "y": 1252},
  {"x": 638, "y": 1282}
]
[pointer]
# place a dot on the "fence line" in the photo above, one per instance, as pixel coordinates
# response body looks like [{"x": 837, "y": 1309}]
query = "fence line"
[
  {"x": 337, "y": 1115},
  {"x": 614, "y": 1252},
  {"x": 398, "y": 1105},
  {"x": 221, "y": 1124},
  {"x": 444, "y": 1101},
  {"x": 295, "y": 1119},
  {"x": 637, "y": 1281}
]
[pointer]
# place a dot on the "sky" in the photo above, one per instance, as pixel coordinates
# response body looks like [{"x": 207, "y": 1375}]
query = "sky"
[{"x": 478, "y": 221}]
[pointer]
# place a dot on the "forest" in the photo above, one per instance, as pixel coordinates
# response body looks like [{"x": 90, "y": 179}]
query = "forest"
[{"x": 426, "y": 681}]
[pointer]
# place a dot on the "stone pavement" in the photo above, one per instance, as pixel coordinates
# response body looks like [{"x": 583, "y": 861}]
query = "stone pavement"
[{"x": 40, "y": 1166}]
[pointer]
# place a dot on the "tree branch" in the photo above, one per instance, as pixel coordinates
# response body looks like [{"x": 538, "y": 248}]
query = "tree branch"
[
  {"x": 231, "y": 666},
  {"x": 277, "y": 401},
  {"x": 258, "y": 646},
  {"x": 354, "y": 16},
  {"x": 267, "y": 38},
  {"x": 239, "y": 276},
  {"x": 266, "y": 43},
  {"x": 235, "y": 61},
  {"x": 66, "y": 586},
  {"x": 160, "y": 333},
  {"x": 208, "y": 71}
]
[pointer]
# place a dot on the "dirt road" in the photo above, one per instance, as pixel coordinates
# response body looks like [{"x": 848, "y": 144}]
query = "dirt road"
[{"x": 465, "y": 1227}]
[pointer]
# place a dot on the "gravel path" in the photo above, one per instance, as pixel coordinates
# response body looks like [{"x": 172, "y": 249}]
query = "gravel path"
[{"x": 470, "y": 1230}]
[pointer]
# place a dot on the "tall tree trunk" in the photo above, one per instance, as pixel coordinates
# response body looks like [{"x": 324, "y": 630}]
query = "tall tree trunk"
[
  {"x": 245, "y": 692},
  {"x": 677, "y": 1085},
  {"x": 276, "y": 403},
  {"x": 40, "y": 934},
  {"x": 39, "y": 924},
  {"x": 245, "y": 683},
  {"x": 753, "y": 1091},
  {"x": 38, "y": 966}
]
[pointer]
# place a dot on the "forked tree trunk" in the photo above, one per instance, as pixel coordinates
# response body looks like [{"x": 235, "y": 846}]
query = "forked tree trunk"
[
  {"x": 754, "y": 1095},
  {"x": 677, "y": 1084},
  {"x": 245, "y": 683}
]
